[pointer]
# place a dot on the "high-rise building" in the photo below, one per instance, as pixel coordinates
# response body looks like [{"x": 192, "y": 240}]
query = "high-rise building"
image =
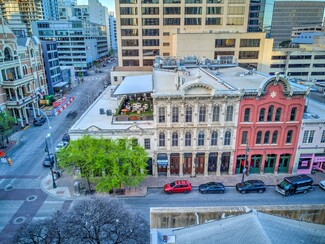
[
  {"x": 289, "y": 14},
  {"x": 112, "y": 31},
  {"x": 153, "y": 24},
  {"x": 51, "y": 8},
  {"x": 20, "y": 13}
]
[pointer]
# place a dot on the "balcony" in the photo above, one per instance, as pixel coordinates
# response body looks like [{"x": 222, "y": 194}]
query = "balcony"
[
  {"x": 19, "y": 102},
  {"x": 13, "y": 83}
]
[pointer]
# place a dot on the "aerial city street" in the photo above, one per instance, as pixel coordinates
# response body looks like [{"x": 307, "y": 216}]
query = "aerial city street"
[{"x": 194, "y": 120}]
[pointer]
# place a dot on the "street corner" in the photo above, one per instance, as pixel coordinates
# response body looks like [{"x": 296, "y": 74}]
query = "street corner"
[{"x": 47, "y": 186}]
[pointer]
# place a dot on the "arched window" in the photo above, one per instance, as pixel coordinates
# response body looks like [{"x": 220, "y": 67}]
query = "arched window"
[
  {"x": 32, "y": 53},
  {"x": 275, "y": 137},
  {"x": 259, "y": 137},
  {"x": 214, "y": 138},
  {"x": 215, "y": 113},
  {"x": 161, "y": 139},
  {"x": 244, "y": 138},
  {"x": 175, "y": 139},
  {"x": 293, "y": 114},
  {"x": 202, "y": 114},
  {"x": 270, "y": 113},
  {"x": 289, "y": 136},
  {"x": 188, "y": 139},
  {"x": 262, "y": 115},
  {"x": 175, "y": 114},
  {"x": 247, "y": 114},
  {"x": 200, "y": 140},
  {"x": 278, "y": 114},
  {"x": 229, "y": 113},
  {"x": 266, "y": 137},
  {"x": 7, "y": 54},
  {"x": 161, "y": 115},
  {"x": 188, "y": 114},
  {"x": 227, "y": 138}
]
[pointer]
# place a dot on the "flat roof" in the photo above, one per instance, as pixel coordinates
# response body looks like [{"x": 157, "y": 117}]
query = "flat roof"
[
  {"x": 135, "y": 85},
  {"x": 133, "y": 68}
]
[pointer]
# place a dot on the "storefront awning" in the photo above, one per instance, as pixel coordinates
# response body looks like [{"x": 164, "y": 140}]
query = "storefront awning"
[
  {"x": 60, "y": 84},
  {"x": 162, "y": 159}
]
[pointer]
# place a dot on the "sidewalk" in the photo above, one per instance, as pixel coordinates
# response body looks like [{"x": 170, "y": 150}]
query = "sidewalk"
[{"x": 65, "y": 184}]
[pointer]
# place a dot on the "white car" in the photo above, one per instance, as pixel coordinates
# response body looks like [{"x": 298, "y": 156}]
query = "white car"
[
  {"x": 322, "y": 184},
  {"x": 61, "y": 145}
]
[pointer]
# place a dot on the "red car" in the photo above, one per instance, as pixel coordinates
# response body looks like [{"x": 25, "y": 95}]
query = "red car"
[{"x": 177, "y": 186}]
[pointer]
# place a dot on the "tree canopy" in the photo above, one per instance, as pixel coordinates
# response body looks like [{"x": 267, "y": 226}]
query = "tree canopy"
[
  {"x": 7, "y": 122},
  {"x": 108, "y": 163}
]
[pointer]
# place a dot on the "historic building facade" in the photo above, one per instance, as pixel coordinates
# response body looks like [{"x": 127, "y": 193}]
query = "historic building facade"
[{"x": 269, "y": 125}]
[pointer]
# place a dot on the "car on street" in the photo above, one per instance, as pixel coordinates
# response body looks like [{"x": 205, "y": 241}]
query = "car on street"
[
  {"x": 48, "y": 161},
  {"x": 212, "y": 187},
  {"x": 39, "y": 121},
  {"x": 61, "y": 145},
  {"x": 178, "y": 186},
  {"x": 251, "y": 186},
  {"x": 322, "y": 184},
  {"x": 66, "y": 137}
]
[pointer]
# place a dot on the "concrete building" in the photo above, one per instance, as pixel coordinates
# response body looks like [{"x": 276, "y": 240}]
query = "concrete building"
[
  {"x": 51, "y": 8},
  {"x": 147, "y": 28},
  {"x": 79, "y": 42},
  {"x": 112, "y": 31},
  {"x": 20, "y": 13},
  {"x": 288, "y": 14},
  {"x": 22, "y": 79}
]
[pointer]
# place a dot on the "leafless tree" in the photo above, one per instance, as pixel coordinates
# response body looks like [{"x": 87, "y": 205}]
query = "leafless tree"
[{"x": 96, "y": 220}]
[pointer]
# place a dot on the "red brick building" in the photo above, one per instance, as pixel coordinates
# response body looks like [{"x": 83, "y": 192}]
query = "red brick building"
[{"x": 269, "y": 122}]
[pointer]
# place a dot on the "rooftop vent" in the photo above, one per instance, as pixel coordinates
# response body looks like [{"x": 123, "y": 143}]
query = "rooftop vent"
[{"x": 102, "y": 111}]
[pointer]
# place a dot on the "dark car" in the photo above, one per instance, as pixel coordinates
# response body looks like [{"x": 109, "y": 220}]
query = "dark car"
[
  {"x": 182, "y": 186},
  {"x": 66, "y": 137},
  {"x": 251, "y": 186},
  {"x": 212, "y": 187},
  {"x": 48, "y": 161},
  {"x": 39, "y": 121}
]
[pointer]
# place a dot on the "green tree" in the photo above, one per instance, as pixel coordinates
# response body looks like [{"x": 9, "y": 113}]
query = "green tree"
[
  {"x": 7, "y": 122},
  {"x": 111, "y": 52},
  {"x": 109, "y": 163}
]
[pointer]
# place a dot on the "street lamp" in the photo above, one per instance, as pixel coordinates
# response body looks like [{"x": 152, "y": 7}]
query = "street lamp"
[
  {"x": 245, "y": 162},
  {"x": 51, "y": 162},
  {"x": 88, "y": 97}
]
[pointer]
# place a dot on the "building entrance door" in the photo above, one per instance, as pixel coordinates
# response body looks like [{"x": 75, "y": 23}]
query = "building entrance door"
[
  {"x": 269, "y": 163},
  {"x": 199, "y": 166},
  {"x": 284, "y": 163},
  {"x": 174, "y": 163},
  {"x": 187, "y": 166}
]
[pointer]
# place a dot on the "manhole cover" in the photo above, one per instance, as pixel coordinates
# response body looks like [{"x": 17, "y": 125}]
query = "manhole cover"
[
  {"x": 9, "y": 188},
  {"x": 31, "y": 198},
  {"x": 19, "y": 220}
]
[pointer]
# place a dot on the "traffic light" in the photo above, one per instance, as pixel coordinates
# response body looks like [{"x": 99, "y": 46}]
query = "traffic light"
[{"x": 9, "y": 162}]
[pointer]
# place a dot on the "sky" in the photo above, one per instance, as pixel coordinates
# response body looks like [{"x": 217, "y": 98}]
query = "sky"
[{"x": 107, "y": 3}]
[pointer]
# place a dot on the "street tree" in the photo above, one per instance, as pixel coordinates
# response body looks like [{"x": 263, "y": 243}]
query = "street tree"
[
  {"x": 7, "y": 122},
  {"x": 95, "y": 220}
]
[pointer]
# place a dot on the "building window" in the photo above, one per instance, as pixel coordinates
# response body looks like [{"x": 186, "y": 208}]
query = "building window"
[
  {"x": 215, "y": 113},
  {"x": 172, "y": 10},
  {"x": 172, "y": 21},
  {"x": 188, "y": 139},
  {"x": 266, "y": 137},
  {"x": 202, "y": 114},
  {"x": 229, "y": 113},
  {"x": 308, "y": 136},
  {"x": 249, "y": 42},
  {"x": 278, "y": 114},
  {"x": 246, "y": 115},
  {"x": 150, "y": 32},
  {"x": 289, "y": 136},
  {"x": 193, "y": 10},
  {"x": 244, "y": 138},
  {"x": 225, "y": 43},
  {"x": 259, "y": 137},
  {"x": 188, "y": 114},
  {"x": 175, "y": 114},
  {"x": 322, "y": 140},
  {"x": 235, "y": 20},
  {"x": 200, "y": 140},
  {"x": 161, "y": 139},
  {"x": 214, "y": 138},
  {"x": 150, "y": 10},
  {"x": 192, "y": 21},
  {"x": 150, "y": 42},
  {"x": 162, "y": 115},
  {"x": 213, "y": 21},
  {"x": 275, "y": 137},
  {"x": 293, "y": 114},
  {"x": 214, "y": 10},
  {"x": 129, "y": 32},
  {"x": 150, "y": 21},
  {"x": 175, "y": 139},
  {"x": 262, "y": 115},
  {"x": 248, "y": 55},
  {"x": 227, "y": 138},
  {"x": 147, "y": 143},
  {"x": 270, "y": 113}
]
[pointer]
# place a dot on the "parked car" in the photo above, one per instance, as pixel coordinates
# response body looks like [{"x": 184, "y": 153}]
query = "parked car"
[
  {"x": 39, "y": 121},
  {"x": 66, "y": 137},
  {"x": 322, "y": 184},
  {"x": 212, "y": 187},
  {"x": 251, "y": 186},
  {"x": 48, "y": 161},
  {"x": 183, "y": 186},
  {"x": 295, "y": 184},
  {"x": 61, "y": 145}
]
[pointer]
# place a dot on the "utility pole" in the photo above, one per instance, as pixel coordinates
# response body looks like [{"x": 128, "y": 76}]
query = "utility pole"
[
  {"x": 51, "y": 163},
  {"x": 245, "y": 162}
]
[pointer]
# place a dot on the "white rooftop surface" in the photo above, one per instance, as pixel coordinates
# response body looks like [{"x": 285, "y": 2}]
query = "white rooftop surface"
[
  {"x": 135, "y": 85},
  {"x": 92, "y": 117},
  {"x": 316, "y": 108}
]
